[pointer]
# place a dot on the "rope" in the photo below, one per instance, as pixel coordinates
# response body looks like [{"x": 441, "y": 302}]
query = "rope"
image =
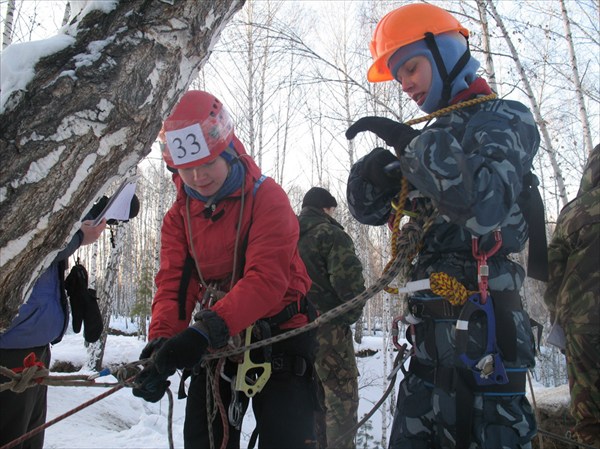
[
  {"x": 396, "y": 230},
  {"x": 535, "y": 408},
  {"x": 406, "y": 245},
  {"x": 550, "y": 434},
  {"x": 403, "y": 195},
  {"x": 36, "y": 374},
  {"x": 170, "y": 419},
  {"x": 566, "y": 440},
  {"x": 219, "y": 401},
  {"x": 27, "y": 377},
  {"x": 399, "y": 359},
  {"x": 444, "y": 285},
  {"x": 211, "y": 412},
  {"x": 454, "y": 107},
  {"x": 408, "y": 241},
  {"x": 42, "y": 427}
]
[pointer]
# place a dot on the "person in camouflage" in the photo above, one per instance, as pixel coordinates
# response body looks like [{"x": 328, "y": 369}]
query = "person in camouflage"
[
  {"x": 336, "y": 274},
  {"x": 573, "y": 298},
  {"x": 470, "y": 164}
]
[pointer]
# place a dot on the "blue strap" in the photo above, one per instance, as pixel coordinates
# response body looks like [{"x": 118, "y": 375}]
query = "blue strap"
[{"x": 257, "y": 184}]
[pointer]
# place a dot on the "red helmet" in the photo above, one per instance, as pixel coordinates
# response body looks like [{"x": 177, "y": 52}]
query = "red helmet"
[{"x": 198, "y": 130}]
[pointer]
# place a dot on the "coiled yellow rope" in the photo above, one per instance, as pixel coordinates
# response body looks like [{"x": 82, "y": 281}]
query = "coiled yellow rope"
[
  {"x": 448, "y": 287},
  {"x": 396, "y": 229}
]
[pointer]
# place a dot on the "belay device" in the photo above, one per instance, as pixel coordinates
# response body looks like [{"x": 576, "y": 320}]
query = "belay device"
[
  {"x": 489, "y": 368},
  {"x": 262, "y": 371}
]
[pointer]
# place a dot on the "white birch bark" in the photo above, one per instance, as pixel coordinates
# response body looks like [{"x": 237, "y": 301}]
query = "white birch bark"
[
  {"x": 546, "y": 138},
  {"x": 8, "y": 24},
  {"x": 583, "y": 115}
]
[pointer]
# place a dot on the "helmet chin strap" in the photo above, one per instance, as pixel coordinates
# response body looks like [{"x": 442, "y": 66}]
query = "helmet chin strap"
[{"x": 447, "y": 78}]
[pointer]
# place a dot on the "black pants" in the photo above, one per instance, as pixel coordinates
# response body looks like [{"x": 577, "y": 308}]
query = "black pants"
[
  {"x": 22, "y": 412},
  {"x": 283, "y": 409}
]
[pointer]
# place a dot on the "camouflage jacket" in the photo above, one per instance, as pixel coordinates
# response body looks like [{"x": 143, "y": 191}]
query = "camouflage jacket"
[
  {"x": 573, "y": 290},
  {"x": 470, "y": 163},
  {"x": 331, "y": 261}
]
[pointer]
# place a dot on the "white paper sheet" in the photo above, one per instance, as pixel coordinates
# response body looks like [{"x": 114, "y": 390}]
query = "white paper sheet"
[{"x": 119, "y": 204}]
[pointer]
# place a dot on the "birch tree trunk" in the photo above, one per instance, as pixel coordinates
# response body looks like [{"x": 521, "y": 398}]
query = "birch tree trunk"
[
  {"x": 8, "y": 24},
  {"x": 79, "y": 127},
  {"x": 485, "y": 39},
  {"x": 534, "y": 104},
  {"x": 106, "y": 291},
  {"x": 250, "y": 71},
  {"x": 67, "y": 14},
  {"x": 587, "y": 135}
]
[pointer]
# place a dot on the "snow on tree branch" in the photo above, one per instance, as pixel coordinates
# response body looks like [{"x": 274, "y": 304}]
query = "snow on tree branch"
[{"x": 89, "y": 113}]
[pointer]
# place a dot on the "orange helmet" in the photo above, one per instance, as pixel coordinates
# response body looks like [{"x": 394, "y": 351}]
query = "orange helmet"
[
  {"x": 198, "y": 130},
  {"x": 404, "y": 26}
]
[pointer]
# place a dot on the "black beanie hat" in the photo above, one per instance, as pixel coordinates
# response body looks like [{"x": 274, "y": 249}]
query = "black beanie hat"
[{"x": 318, "y": 197}]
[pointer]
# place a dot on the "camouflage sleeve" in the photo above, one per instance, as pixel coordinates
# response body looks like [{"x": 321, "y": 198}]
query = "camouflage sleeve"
[
  {"x": 345, "y": 268},
  {"x": 471, "y": 164},
  {"x": 558, "y": 255}
]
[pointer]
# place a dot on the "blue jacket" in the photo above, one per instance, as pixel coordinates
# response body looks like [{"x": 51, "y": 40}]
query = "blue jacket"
[{"x": 43, "y": 318}]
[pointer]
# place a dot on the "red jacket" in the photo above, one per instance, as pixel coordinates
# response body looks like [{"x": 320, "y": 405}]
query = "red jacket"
[{"x": 273, "y": 274}]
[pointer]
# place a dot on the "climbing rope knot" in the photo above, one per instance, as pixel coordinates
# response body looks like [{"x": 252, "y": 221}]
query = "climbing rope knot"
[{"x": 29, "y": 375}]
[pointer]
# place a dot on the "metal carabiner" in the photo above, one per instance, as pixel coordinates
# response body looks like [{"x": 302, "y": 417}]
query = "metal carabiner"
[
  {"x": 483, "y": 270},
  {"x": 235, "y": 412}
]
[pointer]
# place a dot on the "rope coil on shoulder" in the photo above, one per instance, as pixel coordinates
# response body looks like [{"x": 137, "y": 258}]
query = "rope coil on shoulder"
[
  {"x": 451, "y": 108},
  {"x": 403, "y": 195}
]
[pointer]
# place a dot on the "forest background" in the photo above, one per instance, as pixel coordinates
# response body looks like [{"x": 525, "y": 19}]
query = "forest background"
[{"x": 293, "y": 76}]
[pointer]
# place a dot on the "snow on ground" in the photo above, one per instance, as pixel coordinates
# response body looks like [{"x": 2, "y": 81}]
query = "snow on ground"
[{"x": 124, "y": 421}]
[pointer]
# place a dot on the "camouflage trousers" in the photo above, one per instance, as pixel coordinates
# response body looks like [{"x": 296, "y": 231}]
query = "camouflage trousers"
[
  {"x": 583, "y": 369},
  {"x": 425, "y": 418},
  {"x": 335, "y": 365}
]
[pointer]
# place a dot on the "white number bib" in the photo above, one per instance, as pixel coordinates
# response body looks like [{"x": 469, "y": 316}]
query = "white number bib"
[{"x": 187, "y": 144}]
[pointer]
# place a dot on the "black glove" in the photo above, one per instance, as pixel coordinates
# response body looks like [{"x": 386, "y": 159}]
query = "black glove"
[
  {"x": 93, "y": 324},
  {"x": 394, "y": 134},
  {"x": 76, "y": 286},
  {"x": 150, "y": 384},
  {"x": 151, "y": 347},
  {"x": 382, "y": 169},
  {"x": 184, "y": 350}
]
